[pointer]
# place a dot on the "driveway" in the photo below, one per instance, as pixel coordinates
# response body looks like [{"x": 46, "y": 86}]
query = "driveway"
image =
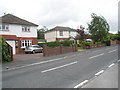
[{"x": 22, "y": 57}]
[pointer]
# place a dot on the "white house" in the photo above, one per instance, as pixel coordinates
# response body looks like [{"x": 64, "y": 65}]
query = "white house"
[
  {"x": 18, "y": 33},
  {"x": 60, "y": 33}
]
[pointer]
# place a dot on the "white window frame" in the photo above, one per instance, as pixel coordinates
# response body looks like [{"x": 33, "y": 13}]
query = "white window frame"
[
  {"x": 25, "y": 28},
  {"x": 61, "y": 33},
  {"x": 26, "y": 43},
  {"x": 6, "y": 27}
]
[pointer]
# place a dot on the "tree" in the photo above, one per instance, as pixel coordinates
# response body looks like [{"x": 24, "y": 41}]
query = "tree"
[
  {"x": 40, "y": 33},
  {"x": 81, "y": 33},
  {"x": 98, "y": 27},
  {"x": 118, "y": 38}
]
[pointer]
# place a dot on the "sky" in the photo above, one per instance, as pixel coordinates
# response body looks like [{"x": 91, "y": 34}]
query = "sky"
[{"x": 68, "y": 13}]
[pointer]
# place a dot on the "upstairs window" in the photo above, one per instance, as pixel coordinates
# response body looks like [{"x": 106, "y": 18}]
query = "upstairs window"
[
  {"x": 25, "y": 28},
  {"x": 61, "y": 33},
  {"x": 4, "y": 27}
]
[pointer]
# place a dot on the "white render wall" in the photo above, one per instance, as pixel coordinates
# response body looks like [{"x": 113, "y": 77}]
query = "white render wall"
[
  {"x": 50, "y": 36},
  {"x": 17, "y": 30},
  {"x": 12, "y": 44},
  {"x": 66, "y": 34}
]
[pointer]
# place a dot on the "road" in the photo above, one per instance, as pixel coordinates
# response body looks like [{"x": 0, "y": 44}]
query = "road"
[{"x": 61, "y": 72}]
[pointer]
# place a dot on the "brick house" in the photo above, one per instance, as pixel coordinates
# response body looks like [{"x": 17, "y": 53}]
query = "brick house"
[
  {"x": 60, "y": 33},
  {"x": 18, "y": 33}
]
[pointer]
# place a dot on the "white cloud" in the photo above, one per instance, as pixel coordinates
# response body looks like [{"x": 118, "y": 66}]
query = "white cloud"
[{"x": 69, "y": 13}]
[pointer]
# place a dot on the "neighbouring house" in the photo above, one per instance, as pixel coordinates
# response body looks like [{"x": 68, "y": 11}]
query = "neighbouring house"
[
  {"x": 18, "y": 32},
  {"x": 60, "y": 33}
]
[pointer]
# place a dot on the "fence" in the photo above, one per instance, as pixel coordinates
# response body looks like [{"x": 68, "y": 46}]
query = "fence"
[{"x": 48, "y": 51}]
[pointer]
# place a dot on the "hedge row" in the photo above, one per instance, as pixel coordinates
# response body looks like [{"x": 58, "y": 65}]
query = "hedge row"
[
  {"x": 4, "y": 48},
  {"x": 57, "y": 43}
]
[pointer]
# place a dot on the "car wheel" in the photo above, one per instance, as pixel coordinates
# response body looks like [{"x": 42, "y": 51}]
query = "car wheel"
[
  {"x": 33, "y": 52},
  {"x": 26, "y": 52}
]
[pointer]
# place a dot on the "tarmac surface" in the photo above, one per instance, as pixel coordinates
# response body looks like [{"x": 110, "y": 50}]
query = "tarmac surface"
[{"x": 109, "y": 79}]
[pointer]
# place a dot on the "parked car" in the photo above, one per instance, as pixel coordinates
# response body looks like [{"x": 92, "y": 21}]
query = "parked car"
[{"x": 33, "y": 49}]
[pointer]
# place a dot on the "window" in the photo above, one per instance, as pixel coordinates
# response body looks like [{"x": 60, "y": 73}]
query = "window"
[
  {"x": 25, "y": 28},
  {"x": 4, "y": 27},
  {"x": 61, "y": 33},
  {"x": 26, "y": 43}
]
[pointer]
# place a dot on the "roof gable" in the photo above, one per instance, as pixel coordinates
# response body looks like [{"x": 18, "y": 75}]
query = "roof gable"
[
  {"x": 60, "y": 28},
  {"x": 11, "y": 19}
]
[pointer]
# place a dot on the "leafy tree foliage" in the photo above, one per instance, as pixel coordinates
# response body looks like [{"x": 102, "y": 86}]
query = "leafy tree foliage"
[
  {"x": 98, "y": 27},
  {"x": 40, "y": 32},
  {"x": 81, "y": 33}
]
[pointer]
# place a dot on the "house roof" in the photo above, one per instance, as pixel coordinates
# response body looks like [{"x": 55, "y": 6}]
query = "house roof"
[
  {"x": 11, "y": 19},
  {"x": 60, "y": 28}
]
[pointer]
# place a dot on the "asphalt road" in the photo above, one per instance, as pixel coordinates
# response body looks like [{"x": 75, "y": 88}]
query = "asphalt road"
[{"x": 61, "y": 71}]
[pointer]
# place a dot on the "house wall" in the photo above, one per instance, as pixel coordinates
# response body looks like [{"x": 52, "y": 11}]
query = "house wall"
[
  {"x": 50, "y": 36},
  {"x": 17, "y": 30},
  {"x": 12, "y": 44},
  {"x": 66, "y": 34}
]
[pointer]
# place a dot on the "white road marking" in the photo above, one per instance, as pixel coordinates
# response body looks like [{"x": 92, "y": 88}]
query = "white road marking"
[
  {"x": 96, "y": 56},
  {"x": 81, "y": 84},
  {"x": 35, "y": 64},
  {"x": 118, "y": 60},
  {"x": 58, "y": 67},
  {"x": 111, "y": 65},
  {"x": 112, "y": 51},
  {"x": 100, "y": 72}
]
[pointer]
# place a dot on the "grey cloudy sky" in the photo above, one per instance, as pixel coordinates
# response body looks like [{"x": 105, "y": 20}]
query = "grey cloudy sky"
[{"x": 70, "y": 13}]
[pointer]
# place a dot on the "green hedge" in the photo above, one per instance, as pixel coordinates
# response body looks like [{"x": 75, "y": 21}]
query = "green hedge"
[
  {"x": 85, "y": 43},
  {"x": 57, "y": 43},
  {"x": 4, "y": 48}
]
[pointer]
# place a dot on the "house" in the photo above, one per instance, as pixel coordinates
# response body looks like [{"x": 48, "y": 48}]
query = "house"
[
  {"x": 18, "y": 33},
  {"x": 60, "y": 33}
]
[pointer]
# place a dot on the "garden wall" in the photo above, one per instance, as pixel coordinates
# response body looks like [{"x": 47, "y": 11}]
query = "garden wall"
[
  {"x": 95, "y": 46},
  {"x": 48, "y": 51}
]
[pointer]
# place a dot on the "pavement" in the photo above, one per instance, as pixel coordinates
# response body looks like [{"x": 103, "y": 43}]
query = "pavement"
[
  {"x": 108, "y": 79},
  {"x": 61, "y": 71}
]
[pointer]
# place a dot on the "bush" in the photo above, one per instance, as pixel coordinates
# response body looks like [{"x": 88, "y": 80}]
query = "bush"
[
  {"x": 42, "y": 44},
  {"x": 107, "y": 42},
  {"x": 6, "y": 57},
  {"x": 57, "y": 43},
  {"x": 86, "y": 43},
  {"x": 67, "y": 43},
  {"x": 53, "y": 44}
]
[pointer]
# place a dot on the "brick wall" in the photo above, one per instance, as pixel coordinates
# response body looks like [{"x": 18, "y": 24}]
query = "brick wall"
[
  {"x": 113, "y": 42},
  {"x": 48, "y": 51},
  {"x": 94, "y": 46}
]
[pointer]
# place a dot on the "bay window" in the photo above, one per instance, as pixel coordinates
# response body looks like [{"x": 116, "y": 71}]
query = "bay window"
[{"x": 26, "y": 43}]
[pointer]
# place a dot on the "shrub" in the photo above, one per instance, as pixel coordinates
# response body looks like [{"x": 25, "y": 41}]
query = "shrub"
[
  {"x": 67, "y": 43},
  {"x": 107, "y": 42},
  {"x": 53, "y": 44},
  {"x": 57, "y": 43},
  {"x": 86, "y": 43},
  {"x": 42, "y": 44},
  {"x": 5, "y": 50}
]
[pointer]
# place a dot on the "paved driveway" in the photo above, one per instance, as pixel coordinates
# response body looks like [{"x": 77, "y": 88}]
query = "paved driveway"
[{"x": 21, "y": 57}]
